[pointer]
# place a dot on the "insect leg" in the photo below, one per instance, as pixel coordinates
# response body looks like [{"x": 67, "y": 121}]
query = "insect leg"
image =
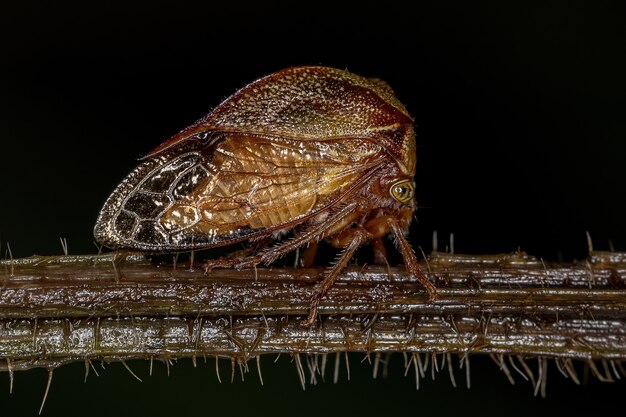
[
  {"x": 412, "y": 264},
  {"x": 336, "y": 221},
  {"x": 380, "y": 252},
  {"x": 314, "y": 233},
  {"x": 249, "y": 250},
  {"x": 308, "y": 258},
  {"x": 359, "y": 237},
  {"x": 240, "y": 258}
]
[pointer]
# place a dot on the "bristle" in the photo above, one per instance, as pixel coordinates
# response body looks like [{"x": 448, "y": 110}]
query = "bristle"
[{"x": 300, "y": 371}]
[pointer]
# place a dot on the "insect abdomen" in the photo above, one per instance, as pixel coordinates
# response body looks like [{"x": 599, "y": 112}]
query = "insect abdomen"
[{"x": 259, "y": 183}]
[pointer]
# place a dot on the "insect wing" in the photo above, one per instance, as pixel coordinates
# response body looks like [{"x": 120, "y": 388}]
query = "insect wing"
[{"x": 202, "y": 194}]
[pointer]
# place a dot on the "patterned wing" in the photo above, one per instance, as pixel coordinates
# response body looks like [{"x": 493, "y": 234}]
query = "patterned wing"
[{"x": 200, "y": 194}]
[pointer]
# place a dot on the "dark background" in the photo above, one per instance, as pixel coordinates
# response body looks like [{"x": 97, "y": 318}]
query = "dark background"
[{"x": 519, "y": 113}]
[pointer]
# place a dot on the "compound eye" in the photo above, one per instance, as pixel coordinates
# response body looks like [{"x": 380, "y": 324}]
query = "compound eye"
[{"x": 403, "y": 191}]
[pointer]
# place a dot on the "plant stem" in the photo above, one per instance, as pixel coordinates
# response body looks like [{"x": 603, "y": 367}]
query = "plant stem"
[{"x": 56, "y": 310}]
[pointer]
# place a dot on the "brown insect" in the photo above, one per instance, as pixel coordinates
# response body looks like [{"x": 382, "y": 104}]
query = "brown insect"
[{"x": 316, "y": 151}]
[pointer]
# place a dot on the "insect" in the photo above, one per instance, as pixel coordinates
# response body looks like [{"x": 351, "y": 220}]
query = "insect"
[{"x": 316, "y": 152}]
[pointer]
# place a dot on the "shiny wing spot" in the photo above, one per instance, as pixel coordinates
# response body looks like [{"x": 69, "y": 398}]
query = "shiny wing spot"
[
  {"x": 161, "y": 180},
  {"x": 125, "y": 224},
  {"x": 187, "y": 183},
  {"x": 184, "y": 238},
  {"x": 158, "y": 183},
  {"x": 150, "y": 233},
  {"x": 147, "y": 206},
  {"x": 179, "y": 217}
]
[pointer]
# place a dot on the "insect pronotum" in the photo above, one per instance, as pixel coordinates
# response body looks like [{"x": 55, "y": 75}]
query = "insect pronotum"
[{"x": 314, "y": 151}]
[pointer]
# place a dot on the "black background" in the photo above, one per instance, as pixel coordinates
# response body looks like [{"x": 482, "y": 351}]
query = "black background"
[{"x": 519, "y": 113}]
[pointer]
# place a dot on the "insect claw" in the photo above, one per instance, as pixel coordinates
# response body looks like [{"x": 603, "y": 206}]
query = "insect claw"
[
  {"x": 312, "y": 318},
  {"x": 310, "y": 321},
  {"x": 245, "y": 265},
  {"x": 433, "y": 295}
]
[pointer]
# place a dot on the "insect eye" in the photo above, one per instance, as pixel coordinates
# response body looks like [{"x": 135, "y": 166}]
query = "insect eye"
[{"x": 403, "y": 191}]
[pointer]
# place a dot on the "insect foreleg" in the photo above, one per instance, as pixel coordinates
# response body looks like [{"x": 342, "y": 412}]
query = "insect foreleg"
[
  {"x": 359, "y": 237},
  {"x": 410, "y": 260}
]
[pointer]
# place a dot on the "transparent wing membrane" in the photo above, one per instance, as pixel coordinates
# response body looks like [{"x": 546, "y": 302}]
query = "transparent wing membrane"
[{"x": 198, "y": 195}]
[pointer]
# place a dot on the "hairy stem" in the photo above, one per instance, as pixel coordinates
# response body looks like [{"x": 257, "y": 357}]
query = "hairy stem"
[{"x": 56, "y": 310}]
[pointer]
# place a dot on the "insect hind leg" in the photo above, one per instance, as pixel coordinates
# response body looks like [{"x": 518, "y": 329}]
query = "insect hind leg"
[
  {"x": 356, "y": 238},
  {"x": 240, "y": 258},
  {"x": 312, "y": 234}
]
